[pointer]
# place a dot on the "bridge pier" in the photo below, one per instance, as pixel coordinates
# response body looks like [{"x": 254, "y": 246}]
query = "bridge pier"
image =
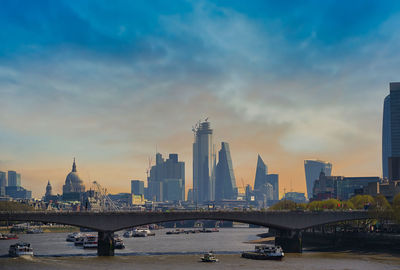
[
  {"x": 105, "y": 243},
  {"x": 290, "y": 241}
]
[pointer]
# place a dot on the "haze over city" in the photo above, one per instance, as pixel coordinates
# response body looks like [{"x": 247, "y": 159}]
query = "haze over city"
[{"x": 111, "y": 85}]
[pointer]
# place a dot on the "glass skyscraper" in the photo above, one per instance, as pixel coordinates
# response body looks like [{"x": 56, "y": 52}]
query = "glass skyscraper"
[
  {"x": 394, "y": 157},
  {"x": 14, "y": 179},
  {"x": 203, "y": 163},
  {"x": 312, "y": 169},
  {"x": 386, "y": 138},
  {"x": 261, "y": 171},
  {"x": 225, "y": 182}
]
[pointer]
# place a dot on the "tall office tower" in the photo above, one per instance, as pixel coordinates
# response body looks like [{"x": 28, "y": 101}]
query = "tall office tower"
[
  {"x": 167, "y": 179},
  {"x": 312, "y": 169},
  {"x": 261, "y": 172},
  {"x": 225, "y": 183},
  {"x": 273, "y": 179},
  {"x": 394, "y": 158},
  {"x": 137, "y": 187},
  {"x": 203, "y": 163},
  {"x": 3, "y": 179},
  {"x": 14, "y": 179},
  {"x": 3, "y": 183},
  {"x": 386, "y": 138}
]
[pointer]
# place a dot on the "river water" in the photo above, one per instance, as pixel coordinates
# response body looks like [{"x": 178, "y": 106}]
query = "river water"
[{"x": 182, "y": 252}]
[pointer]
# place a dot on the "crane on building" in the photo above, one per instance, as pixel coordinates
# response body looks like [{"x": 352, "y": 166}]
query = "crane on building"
[{"x": 105, "y": 202}]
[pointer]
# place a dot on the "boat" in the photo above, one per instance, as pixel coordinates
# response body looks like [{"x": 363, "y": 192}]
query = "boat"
[
  {"x": 265, "y": 252},
  {"x": 20, "y": 249},
  {"x": 128, "y": 234},
  {"x": 72, "y": 236},
  {"x": 176, "y": 231},
  {"x": 118, "y": 243},
  {"x": 34, "y": 231},
  {"x": 90, "y": 241},
  {"x": 209, "y": 257},
  {"x": 142, "y": 233},
  {"x": 79, "y": 240},
  {"x": 8, "y": 236}
]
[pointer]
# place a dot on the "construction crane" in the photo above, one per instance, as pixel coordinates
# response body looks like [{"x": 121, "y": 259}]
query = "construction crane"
[{"x": 106, "y": 203}]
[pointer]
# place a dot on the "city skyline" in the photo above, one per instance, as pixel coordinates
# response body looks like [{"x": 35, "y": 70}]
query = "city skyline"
[{"x": 110, "y": 92}]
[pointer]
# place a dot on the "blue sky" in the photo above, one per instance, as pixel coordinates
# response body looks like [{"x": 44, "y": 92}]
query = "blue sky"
[{"x": 108, "y": 82}]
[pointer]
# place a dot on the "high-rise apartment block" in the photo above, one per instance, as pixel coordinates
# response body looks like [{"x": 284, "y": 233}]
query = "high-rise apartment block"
[
  {"x": 203, "y": 163},
  {"x": 225, "y": 182},
  {"x": 313, "y": 168}
]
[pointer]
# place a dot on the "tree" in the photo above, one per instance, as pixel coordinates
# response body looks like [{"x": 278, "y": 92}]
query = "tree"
[{"x": 362, "y": 201}]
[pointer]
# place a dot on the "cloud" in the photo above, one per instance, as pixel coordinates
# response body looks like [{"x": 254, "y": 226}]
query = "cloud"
[{"x": 108, "y": 84}]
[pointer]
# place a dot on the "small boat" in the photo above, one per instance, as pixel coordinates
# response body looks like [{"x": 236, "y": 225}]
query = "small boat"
[
  {"x": 90, "y": 241},
  {"x": 72, "y": 236},
  {"x": 265, "y": 252},
  {"x": 118, "y": 243},
  {"x": 209, "y": 257},
  {"x": 20, "y": 249},
  {"x": 128, "y": 234},
  {"x": 79, "y": 240},
  {"x": 34, "y": 231},
  {"x": 176, "y": 231},
  {"x": 142, "y": 233},
  {"x": 8, "y": 236}
]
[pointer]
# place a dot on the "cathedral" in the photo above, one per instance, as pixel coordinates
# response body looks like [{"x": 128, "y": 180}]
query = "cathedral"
[{"x": 74, "y": 188}]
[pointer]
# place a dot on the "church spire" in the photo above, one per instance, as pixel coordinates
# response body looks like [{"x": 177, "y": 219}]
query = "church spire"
[{"x": 74, "y": 166}]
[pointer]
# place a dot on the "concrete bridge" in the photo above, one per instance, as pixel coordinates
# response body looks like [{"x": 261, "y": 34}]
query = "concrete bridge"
[{"x": 106, "y": 223}]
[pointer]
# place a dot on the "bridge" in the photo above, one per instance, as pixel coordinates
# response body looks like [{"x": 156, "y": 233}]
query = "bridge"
[{"x": 106, "y": 223}]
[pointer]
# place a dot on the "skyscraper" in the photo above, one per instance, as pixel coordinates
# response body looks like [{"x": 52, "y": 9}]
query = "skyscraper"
[
  {"x": 167, "y": 179},
  {"x": 386, "y": 138},
  {"x": 3, "y": 183},
  {"x": 225, "y": 183},
  {"x": 261, "y": 171},
  {"x": 137, "y": 187},
  {"x": 273, "y": 179},
  {"x": 3, "y": 179},
  {"x": 394, "y": 158},
  {"x": 203, "y": 163},
  {"x": 14, "y": 179},
  {"x": 312, "y": 170}
]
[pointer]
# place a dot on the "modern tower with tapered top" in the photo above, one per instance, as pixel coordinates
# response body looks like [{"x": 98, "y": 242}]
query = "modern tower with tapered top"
[
  {"x": 203, "y": 163},
  {"x": 225, "y": 183}
]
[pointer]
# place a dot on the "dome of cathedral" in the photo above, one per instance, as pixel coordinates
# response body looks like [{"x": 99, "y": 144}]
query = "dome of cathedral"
[{"x": 73, "y": 183}]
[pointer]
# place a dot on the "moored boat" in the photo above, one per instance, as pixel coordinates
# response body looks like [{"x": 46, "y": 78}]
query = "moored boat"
[
  {"x": 142, "y": 233},
  {"x": 209, "y": 257},
  {"x": 79, "y": 240},
  {"x": 72, "y": 236},
  {"x": 20, "y": 249},
  {"x": 34, "y": 231},
  {"x": 90, "y": 241},
  {"x": 8, "y": 236},
  {"x": 265, "y": 252},
  {"x": 118, "y": 243}
]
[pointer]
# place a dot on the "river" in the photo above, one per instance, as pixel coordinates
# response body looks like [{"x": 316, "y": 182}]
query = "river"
[{"x": 182, "y": 252}]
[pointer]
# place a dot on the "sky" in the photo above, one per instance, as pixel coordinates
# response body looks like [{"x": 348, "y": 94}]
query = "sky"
[{"x": 112, "y": 82}]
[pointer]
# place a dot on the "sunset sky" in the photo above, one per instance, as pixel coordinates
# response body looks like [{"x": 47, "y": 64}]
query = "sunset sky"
[{"x": 109, "y": 82}]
